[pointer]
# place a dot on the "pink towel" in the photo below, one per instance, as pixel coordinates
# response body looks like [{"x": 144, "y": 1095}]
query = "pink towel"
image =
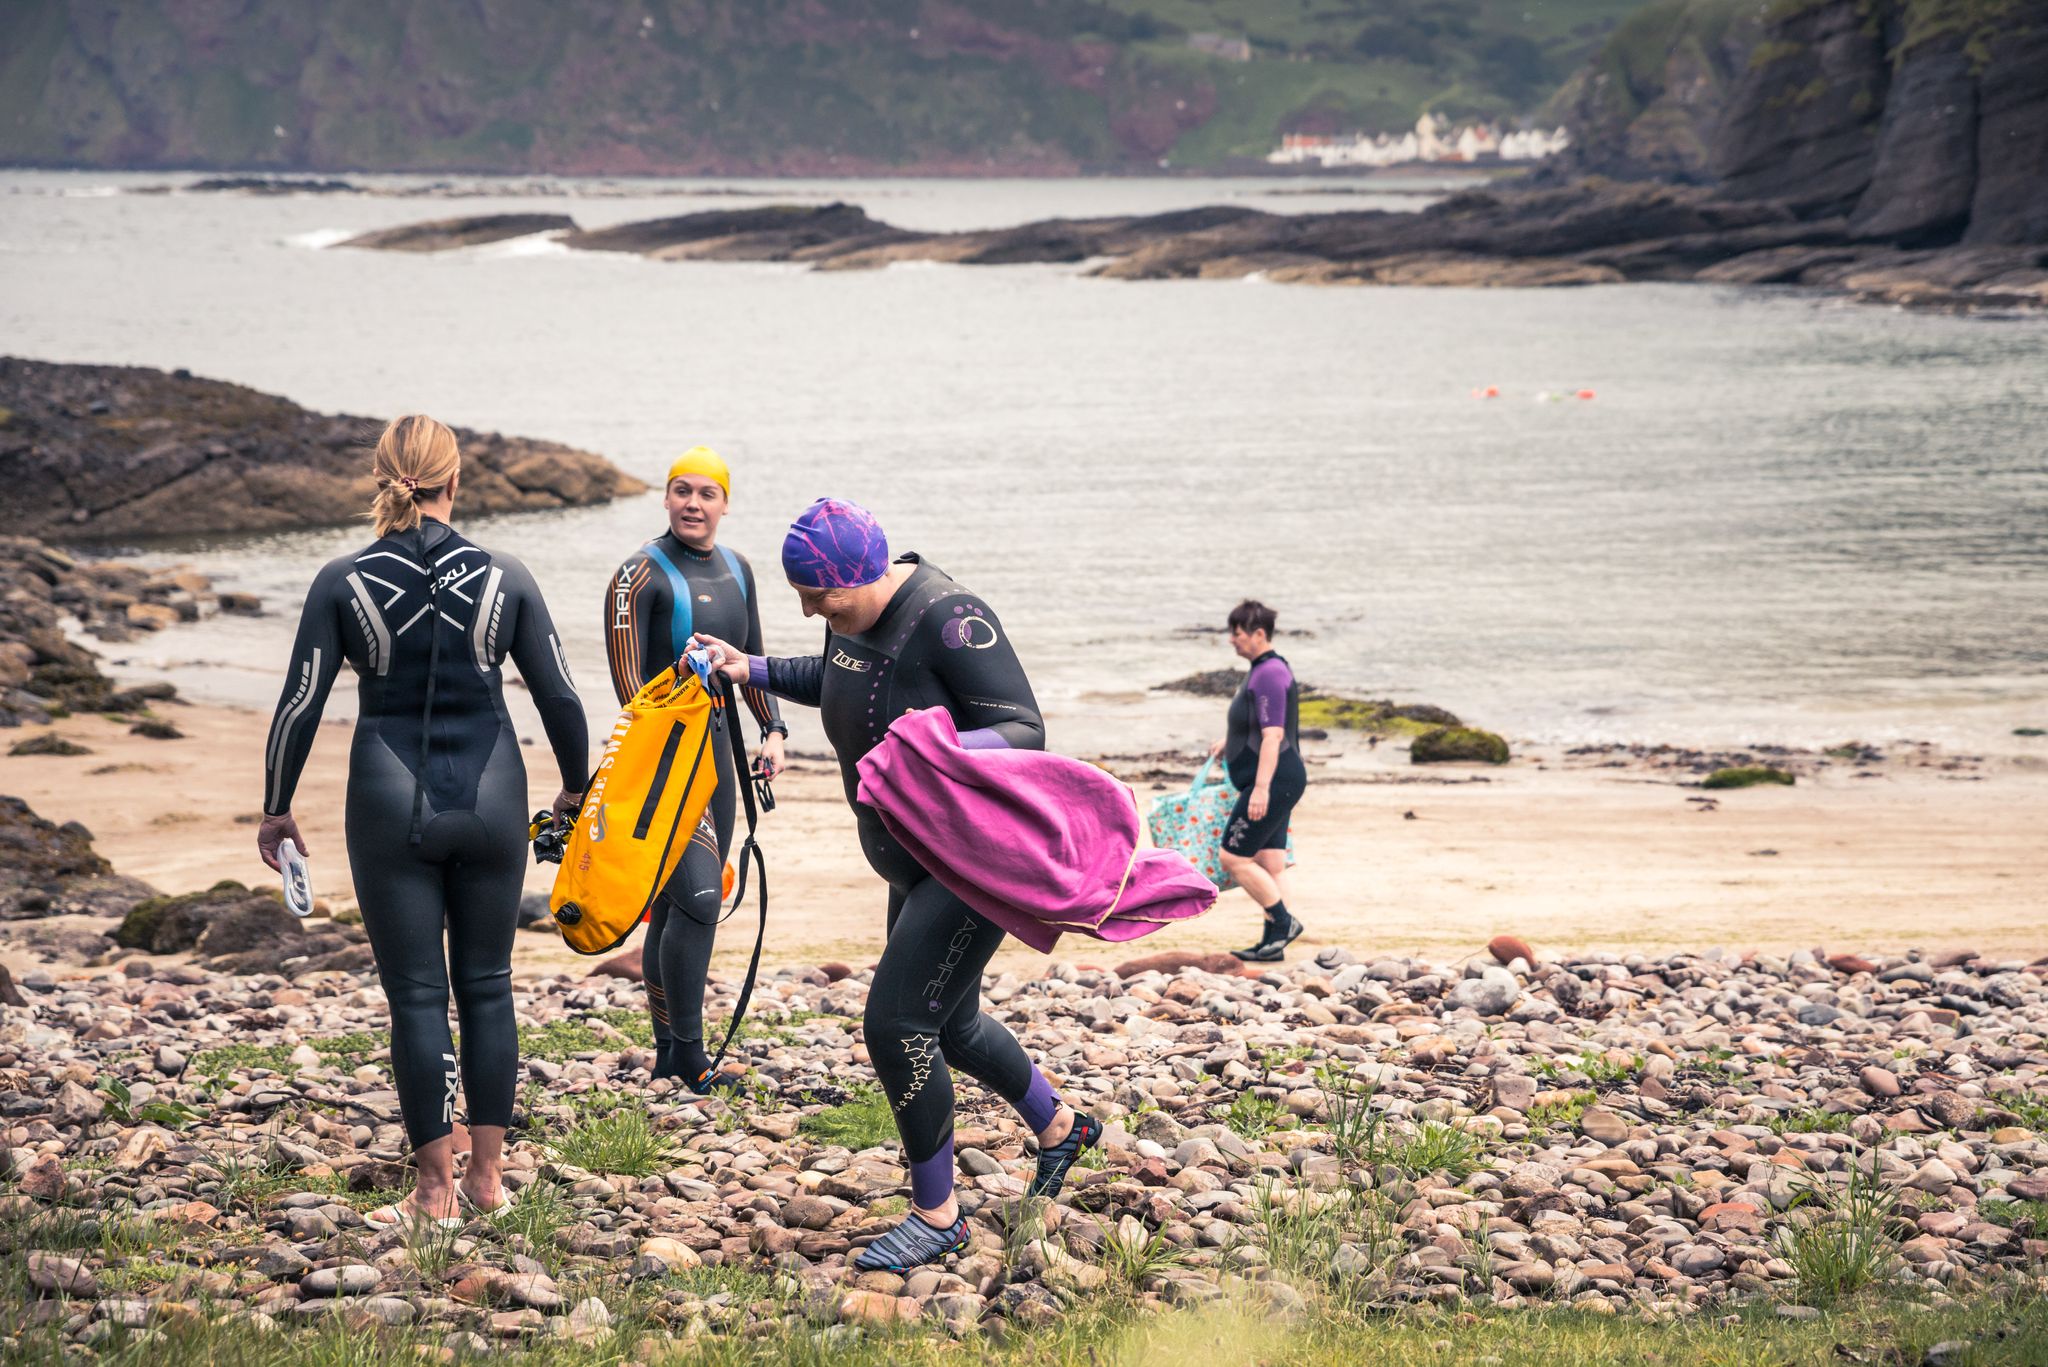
[{"x": 1038, "y": 843}]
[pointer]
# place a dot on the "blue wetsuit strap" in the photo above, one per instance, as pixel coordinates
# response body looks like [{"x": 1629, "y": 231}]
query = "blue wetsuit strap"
[
  {"x": 679, "y": 595},
  {"x": 732, "y": 562}
]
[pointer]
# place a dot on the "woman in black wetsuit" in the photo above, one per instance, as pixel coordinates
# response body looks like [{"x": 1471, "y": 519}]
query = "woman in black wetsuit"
[
  {"x": 903, "y": 635},
  {"x": 437, "y": 802},
  {"x": 681, "y": 581}
]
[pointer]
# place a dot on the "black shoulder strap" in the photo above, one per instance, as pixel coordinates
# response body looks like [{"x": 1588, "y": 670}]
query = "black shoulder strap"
[{"x": 750, "y": 850}]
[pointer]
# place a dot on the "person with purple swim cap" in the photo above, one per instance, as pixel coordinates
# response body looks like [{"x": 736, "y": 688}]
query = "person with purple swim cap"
[
  {"x": 902, "y": 635},
  {"x": 835, "y": 545}
]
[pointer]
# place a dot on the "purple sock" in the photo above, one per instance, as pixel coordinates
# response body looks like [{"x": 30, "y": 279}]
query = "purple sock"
[
  {"x": 1040, "y": 1103},
  {"x": 931, "y": 1179}
]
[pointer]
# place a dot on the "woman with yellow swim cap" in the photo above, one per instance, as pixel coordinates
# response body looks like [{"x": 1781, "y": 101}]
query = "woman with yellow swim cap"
[{"x": 681, "y": 582}]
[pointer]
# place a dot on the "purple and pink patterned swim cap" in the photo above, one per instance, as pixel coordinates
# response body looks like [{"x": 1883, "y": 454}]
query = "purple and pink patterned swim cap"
[{"x": 835, "y": 545}]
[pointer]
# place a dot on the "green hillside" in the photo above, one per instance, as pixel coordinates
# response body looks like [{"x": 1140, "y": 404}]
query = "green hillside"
[{"x": 724, "y": 86}]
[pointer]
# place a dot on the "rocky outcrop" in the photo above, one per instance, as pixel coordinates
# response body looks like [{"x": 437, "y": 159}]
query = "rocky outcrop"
[
  {"x": 446, "y": 234},
  {"x": 1949, "y": 278},
  {"x": 51, "y": 870},
  {"x": 42, "y": 672},
  {"x": 1588, "y": 232},
  {"x": 123, "y": 451},
  {"x": 234, "y": 929},
  {"x": 774, "y": 232}
]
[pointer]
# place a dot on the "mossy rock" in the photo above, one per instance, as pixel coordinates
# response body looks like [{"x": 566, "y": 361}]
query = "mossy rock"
[
  {"x": 49, "y": 743},
  {"x": 82, "y": 688},
  {"x": 1327, "y": 711},
  {"x": 167, "y": 925},
  {"x": 1210, "y": 683},
  {"x": 1747, "y": 776},
  {"x": 1458, "y": 744}
]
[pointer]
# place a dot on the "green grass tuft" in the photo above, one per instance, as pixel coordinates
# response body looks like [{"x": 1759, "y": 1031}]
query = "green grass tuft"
[
  {"x": 1134, "y": 1257},
  {"x": 538, "y": 1212},
  {"x": 1812, "y": 1121},
  {"x": 559, "y": 1041},
  {"x": 1357, "y": 1128},
  {"x": 2012, "y": 1214},
  {"x": 1451, "y": 1150},
  {"x": 231, "y": 1058},
  {"x": 1846, "y": 1243},
  {"x": 623, "y": 1142},
  {"x": 1564, "y": 1114},
  {"x": 1253, "y": 1116},
  {"x": 859, "y": 1123}
]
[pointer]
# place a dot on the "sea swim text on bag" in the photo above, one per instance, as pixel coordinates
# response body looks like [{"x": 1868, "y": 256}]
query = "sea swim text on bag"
[
  {"x": 1192, "y": 822},
  {"x": 639, "y": 809}
]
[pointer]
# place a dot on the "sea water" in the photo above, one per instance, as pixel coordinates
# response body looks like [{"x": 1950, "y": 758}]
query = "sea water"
[{"x": 1780, "y": 517}]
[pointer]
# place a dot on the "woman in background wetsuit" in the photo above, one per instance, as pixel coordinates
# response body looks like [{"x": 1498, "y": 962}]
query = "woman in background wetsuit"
[
  {"x": 437, "y": 803},
  {"x": 1262, "y": 746},
  {"x": 901, "y": 636},
  {"x": 684, "y": 581}
]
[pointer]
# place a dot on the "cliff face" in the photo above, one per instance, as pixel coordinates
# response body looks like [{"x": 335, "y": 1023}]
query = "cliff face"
[
  {"x": 1650, "y": 103},
  {"x": 1924, "y": 122},
  {"x": 749, "y": 86}
]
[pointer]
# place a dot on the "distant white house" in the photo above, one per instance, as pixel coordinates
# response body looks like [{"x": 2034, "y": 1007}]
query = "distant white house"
[
  {"x": 1431, "y": 140},
  {"x": 1224, "y": 45}
]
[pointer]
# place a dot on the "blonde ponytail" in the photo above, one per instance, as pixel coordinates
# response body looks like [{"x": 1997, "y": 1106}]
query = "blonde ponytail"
[{"x": 415, "y": 459}]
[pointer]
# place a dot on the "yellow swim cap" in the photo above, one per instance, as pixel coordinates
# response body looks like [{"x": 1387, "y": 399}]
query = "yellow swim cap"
[{"x": 701, "y": 460}]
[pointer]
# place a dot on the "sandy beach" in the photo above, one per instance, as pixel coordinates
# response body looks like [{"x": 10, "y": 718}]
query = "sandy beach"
[{"x": 1573, "y": 853}]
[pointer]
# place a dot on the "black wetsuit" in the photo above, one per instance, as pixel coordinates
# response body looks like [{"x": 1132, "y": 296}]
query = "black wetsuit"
[
  {"x": 936, "y": 645},
  {"x": 436, "y": 830},
  {"x": 640, "y": 633},
  {"x": 1269, "y": 696}
]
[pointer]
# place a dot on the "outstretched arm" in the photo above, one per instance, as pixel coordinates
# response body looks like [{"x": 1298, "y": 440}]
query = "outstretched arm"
[
  {"x": 315, "y": 660},
  {"x": 799, "y": 678},
  {"x": 993, "y": 705},
  {"x": 537, "y": 650}
]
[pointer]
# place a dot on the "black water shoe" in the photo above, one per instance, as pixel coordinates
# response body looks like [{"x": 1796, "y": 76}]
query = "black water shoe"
[{"x": 1272, "y": 949}]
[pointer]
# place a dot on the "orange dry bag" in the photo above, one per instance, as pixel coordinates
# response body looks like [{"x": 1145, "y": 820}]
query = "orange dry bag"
[{"x": 639, "y": 810}]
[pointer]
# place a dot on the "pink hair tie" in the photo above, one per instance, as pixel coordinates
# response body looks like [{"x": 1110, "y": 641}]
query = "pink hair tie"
[{"x": 412, "y": 486}]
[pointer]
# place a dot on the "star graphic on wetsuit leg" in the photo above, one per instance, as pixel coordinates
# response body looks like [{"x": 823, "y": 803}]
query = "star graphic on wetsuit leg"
[{"x": 923, "y": 1053}]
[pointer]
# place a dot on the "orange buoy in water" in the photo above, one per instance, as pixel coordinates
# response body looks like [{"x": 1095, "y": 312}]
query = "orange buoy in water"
[
  {"x": 1491, "y": 391},
  {"x": 1583, "y": 394}
]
